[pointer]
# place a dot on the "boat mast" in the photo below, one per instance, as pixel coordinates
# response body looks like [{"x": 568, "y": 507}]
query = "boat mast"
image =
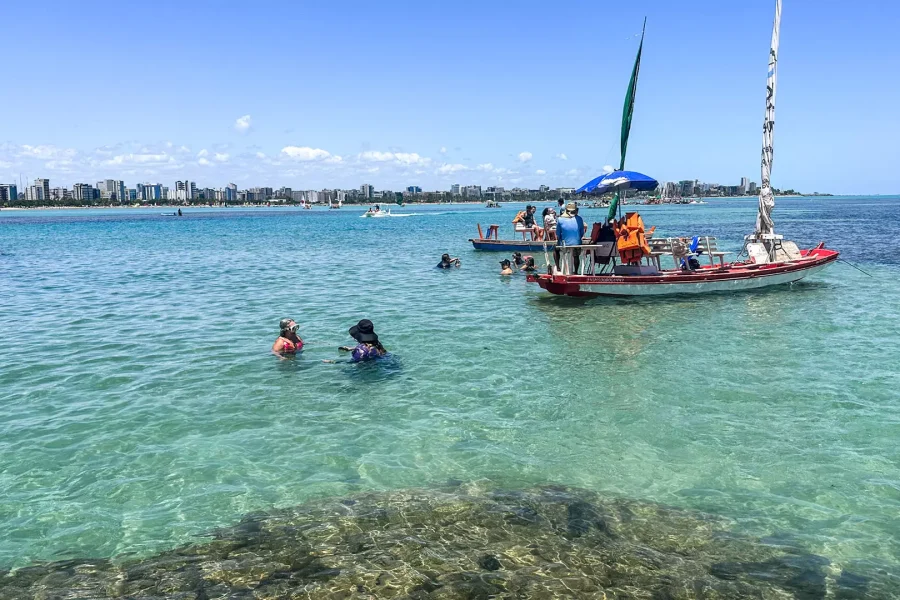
[
  {"x": 627, "y": 114},
  {"x": 765, "y": 226}
]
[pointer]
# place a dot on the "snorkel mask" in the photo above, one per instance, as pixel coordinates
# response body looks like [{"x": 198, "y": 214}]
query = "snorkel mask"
[{"x": 289, "y": 328}]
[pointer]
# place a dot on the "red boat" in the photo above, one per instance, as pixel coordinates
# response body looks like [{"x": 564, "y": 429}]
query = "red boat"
[{"x": 592, "y": 270}]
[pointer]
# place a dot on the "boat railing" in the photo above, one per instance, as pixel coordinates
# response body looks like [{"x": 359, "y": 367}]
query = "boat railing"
[{"x": 594, "y": 259}]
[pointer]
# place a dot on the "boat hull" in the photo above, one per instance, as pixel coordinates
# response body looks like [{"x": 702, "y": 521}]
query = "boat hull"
[
  {"x": 492, "y": 245},
  {"x": 731, "y": 278}
]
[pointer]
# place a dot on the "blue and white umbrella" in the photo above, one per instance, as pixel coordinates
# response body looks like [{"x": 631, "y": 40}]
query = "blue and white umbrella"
[{"x": 618, "y": 181}]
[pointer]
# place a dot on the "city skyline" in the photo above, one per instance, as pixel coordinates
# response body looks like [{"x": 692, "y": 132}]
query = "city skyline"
[
  {"x": 505, "y": 99},
  {"x": 112, "y": 191}
]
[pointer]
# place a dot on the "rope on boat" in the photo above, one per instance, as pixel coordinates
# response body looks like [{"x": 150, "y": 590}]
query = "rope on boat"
[{"x": 848, "y": 263}]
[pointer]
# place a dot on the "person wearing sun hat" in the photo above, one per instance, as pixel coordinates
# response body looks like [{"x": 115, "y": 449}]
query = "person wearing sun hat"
[
  {"x": 368, "y": 347},
  {"x": 569, "y": 232}
]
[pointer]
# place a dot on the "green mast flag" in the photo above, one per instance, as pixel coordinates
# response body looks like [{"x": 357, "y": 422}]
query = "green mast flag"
[{"x": 627, "y": 113}]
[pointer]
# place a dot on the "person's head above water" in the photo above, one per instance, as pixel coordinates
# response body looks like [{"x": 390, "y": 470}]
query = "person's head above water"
[
  {"x": 529, "y": 262},
  {"x": 288, "y": 325},
  {"x": 445, "y": 258},
  {"x": 560, "y": 202},
  {"x": 364, "y": 332}
]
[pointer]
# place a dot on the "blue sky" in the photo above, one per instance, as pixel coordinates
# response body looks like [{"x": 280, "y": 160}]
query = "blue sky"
[{"x": 403, "y": 93}]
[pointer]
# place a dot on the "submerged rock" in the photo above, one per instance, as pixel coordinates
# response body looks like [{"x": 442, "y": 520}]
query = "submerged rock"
[{"x": 463, "y": 544}]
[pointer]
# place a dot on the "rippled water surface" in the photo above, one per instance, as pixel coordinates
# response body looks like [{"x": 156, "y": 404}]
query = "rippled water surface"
[{"x": 141, "y": 405}]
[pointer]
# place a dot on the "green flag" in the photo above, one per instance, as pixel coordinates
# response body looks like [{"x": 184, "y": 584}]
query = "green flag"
[{"x": 627, "y": 113}]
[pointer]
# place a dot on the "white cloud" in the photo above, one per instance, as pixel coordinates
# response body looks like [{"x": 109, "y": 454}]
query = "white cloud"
[
  {"x": 204, "y": 162},
  {"x": 184, "y": 150},
  {"x": 485, "y": 167},
  {"x": 410, "y": 158},
  {"x": 242, "y": 124},
  {"x": 540, "y": 172},
  {"x": 572, "y": 172},
  {"x": 375, "y": 156},
  {"x": 562, "y": 156},
  {"x": 402, "y": 158},
  {"x": 203, "y": 152},
  {"x": 305, "y": 153},
  {"x": 140, "y": 159},
  {"x": 447, "y": 169},
  {"x": 260, "y": 155},
  {"x": 46, "y": 152},
  {"x": 222, "y": 157},
  {"x": 443, "y": 150},
  {"x": 524, "y": 156},
  {"x": 64, "y": 165},
  {"x": 608, "y": 168}
]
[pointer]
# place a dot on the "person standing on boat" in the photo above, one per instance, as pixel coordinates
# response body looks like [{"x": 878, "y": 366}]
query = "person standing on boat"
[
  {"x": 288, "y": 341},
  {"x": 569, "y": 232}
]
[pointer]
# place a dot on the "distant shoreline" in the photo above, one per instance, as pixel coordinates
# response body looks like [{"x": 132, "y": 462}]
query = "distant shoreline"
[{"x": 355, "y": 205}]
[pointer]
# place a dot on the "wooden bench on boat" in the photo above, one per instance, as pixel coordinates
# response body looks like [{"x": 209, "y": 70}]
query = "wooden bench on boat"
[{"x": 707, "y": 246}]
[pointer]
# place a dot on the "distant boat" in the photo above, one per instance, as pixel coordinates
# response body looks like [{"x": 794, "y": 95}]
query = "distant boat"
[
  {"x": 492, "y": 204},
  {"x": 376, "y": 213}
]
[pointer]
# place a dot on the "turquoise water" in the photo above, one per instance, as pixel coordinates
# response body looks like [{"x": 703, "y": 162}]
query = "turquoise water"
[{"x": 142, "y": 406}]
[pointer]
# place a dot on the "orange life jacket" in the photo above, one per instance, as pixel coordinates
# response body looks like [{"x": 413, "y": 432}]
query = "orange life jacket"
[
  {"x": 520, "y": 218},
  {"x": 630, "y": 241}
]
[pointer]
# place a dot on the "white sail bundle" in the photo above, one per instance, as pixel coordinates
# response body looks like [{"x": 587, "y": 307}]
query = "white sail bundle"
[{"x": 764, "y": 223}]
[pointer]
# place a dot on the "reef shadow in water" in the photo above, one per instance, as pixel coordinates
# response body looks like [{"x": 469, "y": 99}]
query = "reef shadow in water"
[{"x": 464, "y": 543}]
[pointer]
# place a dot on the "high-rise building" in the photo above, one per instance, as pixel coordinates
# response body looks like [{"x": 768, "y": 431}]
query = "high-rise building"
[
  {"x": 414, "y": 189},
  {"x": 366, "y": 190},
  {"x": 687, "y": 187},
  {"x": 454, "y": 189},
  {"x": 231, "y": 193},
  {"x": 44, "y": 186},
  {"x": 8, "y": 192},
  {"x": 753, "y": 188},
  {"x": 543, "y": 189},
  {"x": 473, "y": 191},
  {"x": 745, "y": 185},
  {"x": 83, "y": 192}
]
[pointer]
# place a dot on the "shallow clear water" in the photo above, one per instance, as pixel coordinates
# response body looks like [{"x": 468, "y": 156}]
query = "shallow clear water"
[{"x": 142, "y": 406}]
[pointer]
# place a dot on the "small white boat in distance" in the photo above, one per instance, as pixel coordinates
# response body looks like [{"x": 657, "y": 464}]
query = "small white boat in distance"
[{"x": 376, "y": 212}]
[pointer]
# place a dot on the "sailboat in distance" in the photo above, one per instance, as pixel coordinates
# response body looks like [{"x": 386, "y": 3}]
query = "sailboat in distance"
[{"x": 595, "y": 270}]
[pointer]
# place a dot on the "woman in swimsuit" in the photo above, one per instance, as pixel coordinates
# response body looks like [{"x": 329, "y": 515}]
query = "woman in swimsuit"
[{"x": 288, "y": 341}]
